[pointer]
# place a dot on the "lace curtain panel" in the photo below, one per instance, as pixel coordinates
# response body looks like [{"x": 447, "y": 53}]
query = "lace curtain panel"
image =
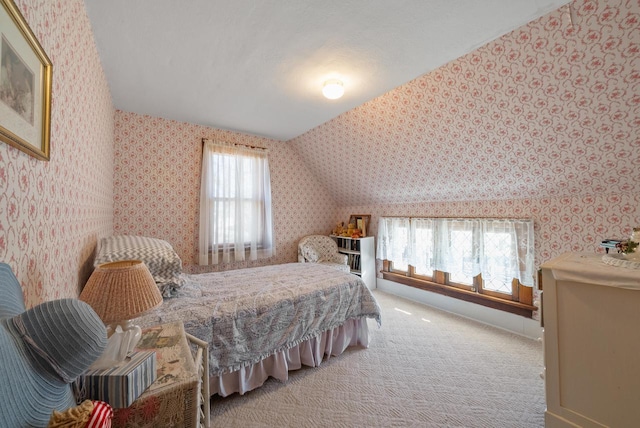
[
  {"x": 500, "y": 249},
  {"x": 235, "y": 204},
  {"x": 393, "y": 241}
]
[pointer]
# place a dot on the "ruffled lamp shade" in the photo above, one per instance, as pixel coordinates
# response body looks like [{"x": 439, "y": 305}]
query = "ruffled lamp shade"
[{"x": 120, "y": 291}]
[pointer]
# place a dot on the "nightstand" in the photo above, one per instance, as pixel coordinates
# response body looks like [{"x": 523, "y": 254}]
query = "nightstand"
[{"x": 179, "y": 397}]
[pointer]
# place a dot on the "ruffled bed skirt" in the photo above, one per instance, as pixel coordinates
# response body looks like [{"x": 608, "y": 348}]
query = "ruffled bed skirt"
[{"x": 354, "y": 332}]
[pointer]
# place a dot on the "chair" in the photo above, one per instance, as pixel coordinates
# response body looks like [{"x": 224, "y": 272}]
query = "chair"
[{"x": 322, "y": 249}]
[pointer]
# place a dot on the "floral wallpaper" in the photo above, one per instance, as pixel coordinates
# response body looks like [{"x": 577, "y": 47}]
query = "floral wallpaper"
[
  {"x": 561, "y": 224},
  {"x": 157, "y": 187},
  {"x": 541, "y": 123},
  {"x": 52, "y": 213},
  {"x": 551, "y": 109}
]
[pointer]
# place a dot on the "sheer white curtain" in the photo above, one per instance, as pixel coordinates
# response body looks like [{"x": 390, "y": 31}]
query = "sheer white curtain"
[
  {"x": 456, "y": 248},
  {"x": 500, "y": 249},
  {"x": 422, "y": 245},
  {"x": 508, "y": 251},
  {"x": 393, "y": 241},
  {"x": 235, "y": 204}
]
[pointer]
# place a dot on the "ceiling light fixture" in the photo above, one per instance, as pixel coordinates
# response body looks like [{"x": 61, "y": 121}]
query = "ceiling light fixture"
[{"x": 333, "y": 89}]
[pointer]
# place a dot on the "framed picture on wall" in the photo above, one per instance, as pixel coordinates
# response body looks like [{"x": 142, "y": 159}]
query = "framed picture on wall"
[
  {"x": 361, "y": 221},
  {"x": 25, "y": 85}
]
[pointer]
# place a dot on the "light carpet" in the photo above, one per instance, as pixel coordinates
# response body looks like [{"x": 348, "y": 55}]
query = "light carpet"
[{"x": 424, "y": 368}]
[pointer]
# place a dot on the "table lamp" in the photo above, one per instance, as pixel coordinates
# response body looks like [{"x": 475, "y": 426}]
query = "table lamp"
[{"x": 119, "y": 292}]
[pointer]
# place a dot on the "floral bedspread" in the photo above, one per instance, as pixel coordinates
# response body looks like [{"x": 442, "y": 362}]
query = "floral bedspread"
[{"x": 248, "y": 314}]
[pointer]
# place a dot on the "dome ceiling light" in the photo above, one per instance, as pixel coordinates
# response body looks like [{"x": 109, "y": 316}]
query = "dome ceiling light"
[{"x": 333, "y": 89}]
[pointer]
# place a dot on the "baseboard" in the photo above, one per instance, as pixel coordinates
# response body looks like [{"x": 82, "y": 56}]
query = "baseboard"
[{"x": 514, "y": 323}]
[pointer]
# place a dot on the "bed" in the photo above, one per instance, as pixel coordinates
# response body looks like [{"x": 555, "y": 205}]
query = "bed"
[{"x": 263, "y": 322}]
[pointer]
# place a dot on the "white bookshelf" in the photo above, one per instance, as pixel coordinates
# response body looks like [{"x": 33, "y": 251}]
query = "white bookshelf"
[{"x": 362, "y": 257}]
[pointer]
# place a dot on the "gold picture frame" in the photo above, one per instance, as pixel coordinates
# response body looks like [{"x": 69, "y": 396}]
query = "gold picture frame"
[
  {"x": 361, "y": 221},
  {"x": 25, "y": 85}
]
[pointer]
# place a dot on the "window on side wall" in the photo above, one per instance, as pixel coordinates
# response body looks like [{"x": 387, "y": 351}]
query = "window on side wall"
[
  {"x": 235, "y": 204},
  {"x": 489, "y": 258}
]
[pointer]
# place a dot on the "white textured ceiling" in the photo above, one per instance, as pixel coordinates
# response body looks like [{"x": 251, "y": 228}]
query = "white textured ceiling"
[{"x": 258, "y": 66}]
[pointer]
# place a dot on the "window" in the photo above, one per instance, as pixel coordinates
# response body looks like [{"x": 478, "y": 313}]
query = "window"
[
  {"x": 422, "y": 245},
  {"x": 235, "y": 204},
  {"x": 393, "y": 240},
  {"x": 489, "y": 258}
]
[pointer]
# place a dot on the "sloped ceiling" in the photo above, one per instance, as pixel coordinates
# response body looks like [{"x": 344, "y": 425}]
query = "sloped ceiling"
[
  {"x": 258, "y": 66},
  {"x": 549, "y": 110}
]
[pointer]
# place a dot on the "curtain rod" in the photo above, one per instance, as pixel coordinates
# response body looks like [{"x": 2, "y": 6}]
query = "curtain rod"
[
  {"x": 458, "y": 218},
  {"x": 240, "y": 145}
]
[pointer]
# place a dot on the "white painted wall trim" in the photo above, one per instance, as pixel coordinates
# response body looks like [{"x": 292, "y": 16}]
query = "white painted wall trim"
[{"x": 514, "y": 323}]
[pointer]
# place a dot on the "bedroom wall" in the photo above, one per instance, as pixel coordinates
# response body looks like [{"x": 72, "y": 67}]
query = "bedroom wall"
[
  {"x": 544, "y": 109},
  {"x": 157, "y": 187},
  {"x": 51, "y": 213},
  {"x": 541, "y": 123},
  {"x": 561, "y": 224}
]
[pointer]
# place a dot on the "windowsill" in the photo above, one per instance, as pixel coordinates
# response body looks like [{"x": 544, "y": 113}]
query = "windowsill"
[{"x": 516, "y": 308}]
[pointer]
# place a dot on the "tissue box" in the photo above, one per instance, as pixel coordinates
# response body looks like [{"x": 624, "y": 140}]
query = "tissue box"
[{"x": 122, "y": 385}]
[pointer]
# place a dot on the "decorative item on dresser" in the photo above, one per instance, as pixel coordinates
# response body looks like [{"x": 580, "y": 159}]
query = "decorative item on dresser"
[
  {"x": 118, "y": 292},
  {"x": 591, "y": 341},
  {"x": 361, "y": 257}
]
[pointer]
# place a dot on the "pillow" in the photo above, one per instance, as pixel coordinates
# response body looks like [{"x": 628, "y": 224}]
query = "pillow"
[
  {"x": 163, "y": 262},
  {"x": 311, "y": 253}
]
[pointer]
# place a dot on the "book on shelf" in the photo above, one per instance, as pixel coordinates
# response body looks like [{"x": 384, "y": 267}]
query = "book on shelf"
[
  {"x": 354, "y": 261},
  {"x": 352, "y": 244}
]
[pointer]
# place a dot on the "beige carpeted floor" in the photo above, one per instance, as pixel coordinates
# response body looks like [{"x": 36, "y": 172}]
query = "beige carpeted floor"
[{"x": 424, "y": 368}]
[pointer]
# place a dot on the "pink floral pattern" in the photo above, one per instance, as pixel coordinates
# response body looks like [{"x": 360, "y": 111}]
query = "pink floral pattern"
[
  {"x": 561, "y": 224},
  {"x": 51, "y": 213},
  {"x": 542, "y": 122},
  {"x": 539, "y": 123},
  {"x": 157, "y": 187},
  {"x": 549, "y": 110}
]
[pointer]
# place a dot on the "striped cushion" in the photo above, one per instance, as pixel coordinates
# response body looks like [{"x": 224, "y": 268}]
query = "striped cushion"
[
  {"x": 163, "y": 262},
  {"x": 101, "y": 415},
  {"x": 88, "y": 414}
]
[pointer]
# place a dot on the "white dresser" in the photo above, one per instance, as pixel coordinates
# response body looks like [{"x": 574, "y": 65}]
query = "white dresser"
[{"x": 591, "y": 316}]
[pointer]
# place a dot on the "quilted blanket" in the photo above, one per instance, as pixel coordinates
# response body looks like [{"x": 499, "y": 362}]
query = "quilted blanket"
[{"x": 248, "y": 314}]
